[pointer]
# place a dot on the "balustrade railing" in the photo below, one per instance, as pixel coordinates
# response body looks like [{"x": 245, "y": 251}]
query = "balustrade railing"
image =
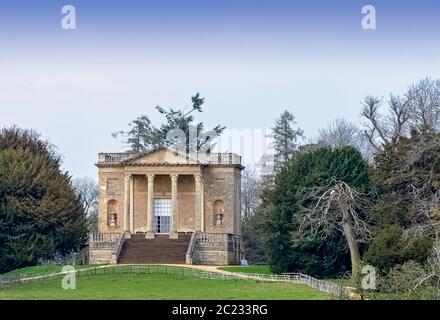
[
  {"x": 210, "y": 158},
  {"x": 220, "y": 158},
  {"x": 191, "y": 247},
  {"x": 104, "y": 237},
  {"x": 115, "y": 157},
  {"x": 212, "y": 237}
]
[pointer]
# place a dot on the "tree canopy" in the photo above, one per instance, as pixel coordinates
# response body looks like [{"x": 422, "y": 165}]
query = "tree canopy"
[
  {"x": 40, "y": 214},
  {"x": 179, "y": 130},
  {"x": 307, "y": 170}
]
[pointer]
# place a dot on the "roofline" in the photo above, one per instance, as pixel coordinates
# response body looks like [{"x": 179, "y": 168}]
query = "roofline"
[{"x": 161, "y": 164}]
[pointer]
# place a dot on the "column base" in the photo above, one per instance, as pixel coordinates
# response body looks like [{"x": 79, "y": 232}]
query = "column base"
[
  {"x": 149, "y": 235},
  {"x": 174, "y": 235}
]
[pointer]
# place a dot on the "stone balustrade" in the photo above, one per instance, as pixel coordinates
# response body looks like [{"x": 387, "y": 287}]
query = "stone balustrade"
[
  {"x": 105, "y": 247},
  {"x": 211, "y": 158},
  {"x": 115, "y": 157}
]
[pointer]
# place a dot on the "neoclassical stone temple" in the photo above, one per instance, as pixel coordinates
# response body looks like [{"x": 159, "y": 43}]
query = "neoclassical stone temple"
[{"x": 161, "y": 206}]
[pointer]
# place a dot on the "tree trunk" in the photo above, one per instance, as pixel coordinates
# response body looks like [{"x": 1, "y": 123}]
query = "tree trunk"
[{"x": 351, "y": 241}]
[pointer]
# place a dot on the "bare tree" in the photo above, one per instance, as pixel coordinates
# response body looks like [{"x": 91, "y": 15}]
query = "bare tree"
[
  {"x": 88, "y": 192},
  {"x": 418, "y": 107},
  {"x": 339, "y": 207},
  {"x": 412, "y": 278},
  {"x": 339, "y": 133},
  {"x": 253, "y": 213},
  {"x": 426, "y": 205},
  {"x": 432, "y": 273},
  {"x": 382, "y": 130},
  {"x": 250, "y": 193},
  {"x": 424, "y": 104}
]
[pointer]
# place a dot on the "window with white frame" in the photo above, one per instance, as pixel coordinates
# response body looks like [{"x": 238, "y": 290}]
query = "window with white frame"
[{"x": 162, "y": 215}]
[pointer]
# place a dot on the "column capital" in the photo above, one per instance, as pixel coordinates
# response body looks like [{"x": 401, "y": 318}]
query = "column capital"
[
  {"x": 128, "y": 176},
  {"x": 150, "y": 177},
  {"x": 198, "y": 177},
  {"x": 174, "y": 177}
]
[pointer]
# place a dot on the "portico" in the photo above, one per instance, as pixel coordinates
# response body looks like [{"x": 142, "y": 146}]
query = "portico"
[{"x": 151, "y": 216}]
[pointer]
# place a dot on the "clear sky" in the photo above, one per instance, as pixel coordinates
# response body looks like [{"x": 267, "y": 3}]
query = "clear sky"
[{"x": 250, "y": 59}]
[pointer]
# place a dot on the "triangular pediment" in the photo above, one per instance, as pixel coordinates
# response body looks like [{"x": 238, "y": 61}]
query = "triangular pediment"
[{"x": 160, "y": 156}]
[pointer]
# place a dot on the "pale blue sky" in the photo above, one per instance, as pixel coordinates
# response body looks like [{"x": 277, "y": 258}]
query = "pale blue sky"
[{"x": 249, "y": 59}]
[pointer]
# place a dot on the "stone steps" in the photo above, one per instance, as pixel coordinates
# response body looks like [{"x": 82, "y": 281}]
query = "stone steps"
[{"x": 161, "y": 249}]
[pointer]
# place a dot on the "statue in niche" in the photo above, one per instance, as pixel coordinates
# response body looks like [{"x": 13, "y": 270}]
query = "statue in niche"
[
  {"x": 219, "y": 218},
  {"x": 113, "y": 218}
]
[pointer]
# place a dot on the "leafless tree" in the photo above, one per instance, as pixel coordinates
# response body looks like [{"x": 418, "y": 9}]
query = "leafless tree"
[
  {"x": 250, "y": 193},
  {"x": 88, "y": 192},
  {"x": 339, "y": 133},
  {"x": 410, "y": 277},
  {"x": 253, "y": 216},
  {"x": 426, "y": 204},
  {"x": 382, "y": 130},
  {"x": 418, "y": 107},
  {"x": 432, "y": 270},
  {"x": 424, "y": 104},
  {"x": 339, "y": 207},
  {"x": 342, "y": 132}
]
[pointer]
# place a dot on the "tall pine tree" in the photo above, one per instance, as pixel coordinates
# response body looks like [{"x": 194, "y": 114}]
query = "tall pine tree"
[{"x": 285, "y": 137}]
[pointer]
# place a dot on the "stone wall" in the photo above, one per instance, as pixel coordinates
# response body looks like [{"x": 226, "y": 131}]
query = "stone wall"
[
  {"x": 216, "y": 249},
  {"x": 221, "y": 184},
  {"x": 102, "y": 256},
  {"x": 111, "y": 187}
]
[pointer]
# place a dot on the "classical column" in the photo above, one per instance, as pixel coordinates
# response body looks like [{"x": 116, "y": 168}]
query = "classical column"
[
  {"x": 150, "y": 207},
  {"x": 202, "y": 206},
  {"x": 198, "y": 203},
  {"x": 131, "y": 204},
  {"x": 238, "y": 205},
  {"x": 174, "y": 207},
  {"x": 126, "y": 202}
]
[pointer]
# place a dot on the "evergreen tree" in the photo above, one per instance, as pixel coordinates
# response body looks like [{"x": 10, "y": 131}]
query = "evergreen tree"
[
  {"x": 143, "y": 135},
  {"x": 40, "y": 214},
  {"x": 406, "y": 215},
  {"x": 327, "y": 256},
  {"x": 285, "y": 137}
]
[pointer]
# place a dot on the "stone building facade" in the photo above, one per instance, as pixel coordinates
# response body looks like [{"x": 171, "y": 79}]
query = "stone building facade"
[{"x": 161, "y": 193}]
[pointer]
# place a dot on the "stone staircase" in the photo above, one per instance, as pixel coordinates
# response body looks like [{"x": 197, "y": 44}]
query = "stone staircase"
[{"x": 161, "y": 249}]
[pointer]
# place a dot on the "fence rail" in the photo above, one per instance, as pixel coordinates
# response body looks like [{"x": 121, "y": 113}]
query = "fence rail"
[
  {"x": 297, "y": 278},
  {"x": 322, "y": 285}
]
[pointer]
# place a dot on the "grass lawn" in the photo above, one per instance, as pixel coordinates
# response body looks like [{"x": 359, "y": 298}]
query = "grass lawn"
[
  {"x": 347, "y": 282},
  {"x": 261, "y": 269},
  {"x": 160, "y": 286}
]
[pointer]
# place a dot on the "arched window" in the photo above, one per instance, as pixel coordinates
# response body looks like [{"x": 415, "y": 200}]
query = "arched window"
[
  {"x": 112, "y": 213},
  {"x": 219, "y": 213}
]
